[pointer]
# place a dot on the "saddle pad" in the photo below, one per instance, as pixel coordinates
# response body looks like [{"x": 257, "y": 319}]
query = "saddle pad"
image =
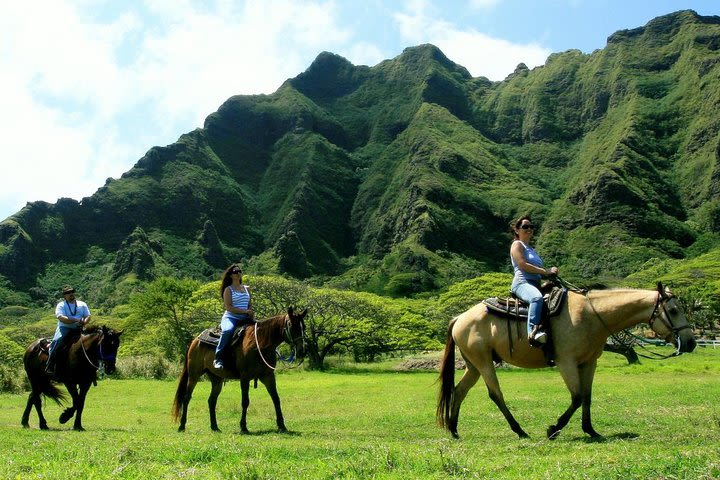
[
  {"x": 516, "y": 308},
  {"x": 211, "y": 336}
]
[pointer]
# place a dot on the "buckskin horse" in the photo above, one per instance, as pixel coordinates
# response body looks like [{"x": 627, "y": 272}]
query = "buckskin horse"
[
  {"x": 579, "y": 333},
  {"x": 254, "y": 358},
  {"x": 95, "y": 346}
]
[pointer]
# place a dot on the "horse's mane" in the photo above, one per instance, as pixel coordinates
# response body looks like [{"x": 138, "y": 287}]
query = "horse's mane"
[
  {"x": 266, "y": 328},
  {"x": 91, "y": 329}
]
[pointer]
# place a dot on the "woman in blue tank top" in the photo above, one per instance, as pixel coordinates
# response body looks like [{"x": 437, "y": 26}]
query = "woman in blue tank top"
[
  {"x": 238, "y": 309},
  {"x": 529, "y": 269}
]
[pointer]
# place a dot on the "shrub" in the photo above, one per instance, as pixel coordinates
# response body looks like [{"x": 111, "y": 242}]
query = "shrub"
[
  {"x": 147, "y": 367},
  {"x": 13, "y": 379}
]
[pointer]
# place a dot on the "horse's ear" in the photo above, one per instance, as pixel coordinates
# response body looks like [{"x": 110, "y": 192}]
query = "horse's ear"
[
  {"x": 661, "y": 290},
  {"x": 119, "y": 332},
  {"x": 290, "y": 310},
  {"x": 304, "y": 312}
]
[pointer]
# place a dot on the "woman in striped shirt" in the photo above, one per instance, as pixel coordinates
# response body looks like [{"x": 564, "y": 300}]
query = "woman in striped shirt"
[{"x": 238, "y": 309}]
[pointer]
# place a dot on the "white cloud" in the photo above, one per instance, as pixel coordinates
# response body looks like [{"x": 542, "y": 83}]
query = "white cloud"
[
  {"x": 84, "y": 98},
  {"x": 481, "y": 54}
]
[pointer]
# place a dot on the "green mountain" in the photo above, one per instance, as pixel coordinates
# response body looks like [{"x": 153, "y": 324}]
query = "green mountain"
[{"x": 404, "y": 177}]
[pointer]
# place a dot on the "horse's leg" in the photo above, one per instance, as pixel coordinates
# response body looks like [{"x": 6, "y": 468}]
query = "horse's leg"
[
  {"x": 217, "y": 384},
  {"x": 571, "y": 375},
  {"x": 80, "y": 405},
  {"x": 269, "y": 382},
  {"x": 587, "y": 373},
  {"x": 493, "y": 386},
  {"x": 245, "y": 387},
  {"x": 28, "y": 407},
  {"x": 469, "y": 378},
  {"x": 191, "y": 382},
  {"x": 68, "y": 413},
  {"x": 38, "y": 408}
]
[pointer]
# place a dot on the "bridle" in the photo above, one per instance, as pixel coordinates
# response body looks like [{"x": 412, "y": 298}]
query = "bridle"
[
  {"x": 660, "y": 302},
  {"x": 102, "y": 357},
  {"x": 287, "y": 336}
]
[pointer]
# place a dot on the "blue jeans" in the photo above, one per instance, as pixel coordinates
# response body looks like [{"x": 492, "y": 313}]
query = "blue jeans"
[
  {"x": 59, "y": 338},
  {"x": 530, "y": 294},
  {"x": 228, "y": 325}
]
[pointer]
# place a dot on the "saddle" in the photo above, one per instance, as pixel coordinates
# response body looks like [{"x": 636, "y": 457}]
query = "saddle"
[
  {"x": 211, "y": 336},
  {"x": 516, "y": 309},
  {"x": 513, "y": 308}
]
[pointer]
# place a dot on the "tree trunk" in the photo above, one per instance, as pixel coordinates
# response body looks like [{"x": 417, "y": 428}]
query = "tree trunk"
[{"x": 628, "y": 352}]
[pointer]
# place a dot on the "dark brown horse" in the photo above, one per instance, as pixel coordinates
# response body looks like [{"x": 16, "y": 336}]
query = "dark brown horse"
[
  {"x": 254, "y": 358},
  {"x": 96, "y": 346},
  {"x": 579, "y": 334}
]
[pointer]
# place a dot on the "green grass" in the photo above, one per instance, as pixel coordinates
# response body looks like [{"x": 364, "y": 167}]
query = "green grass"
[{"x": 660, "y": 420}]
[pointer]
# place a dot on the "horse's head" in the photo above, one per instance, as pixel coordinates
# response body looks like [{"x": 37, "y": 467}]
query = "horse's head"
[
  {"x": 295, "y": 330},
  {"x": 109, "y": 347},
  {"x": 673, "y": 326}
]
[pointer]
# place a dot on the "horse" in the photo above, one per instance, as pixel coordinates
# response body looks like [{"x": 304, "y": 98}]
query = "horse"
[
  {"x": 94, "y": 347},
  {"x": 579, "y": 333},
  {"x": 254, "y": 358}
]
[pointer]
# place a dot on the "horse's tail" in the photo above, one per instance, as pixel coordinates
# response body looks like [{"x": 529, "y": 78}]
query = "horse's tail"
[
  {"x": 181, "y": 388},
  {"x": 447, "y": 379},
  {"x": 39, "y": 381}
]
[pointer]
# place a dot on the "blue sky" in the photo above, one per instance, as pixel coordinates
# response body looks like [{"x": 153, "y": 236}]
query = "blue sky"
[{"x": 88, "y": 86}]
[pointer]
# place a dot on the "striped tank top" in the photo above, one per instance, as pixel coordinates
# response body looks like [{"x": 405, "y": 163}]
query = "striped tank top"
[{"x": 240, "y": 299}]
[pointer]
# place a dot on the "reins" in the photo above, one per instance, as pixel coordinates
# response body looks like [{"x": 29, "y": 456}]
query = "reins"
[
  {"x": 287, "y": 337},
  {"x": 82, "y": 344},
  {"x": 659, "y": 303}
]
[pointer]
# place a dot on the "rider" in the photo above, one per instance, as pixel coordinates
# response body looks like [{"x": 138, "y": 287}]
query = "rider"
[
  {"x": 529, "y": 269},
  {"x": 72, "y": 315},
  {"x": 238, "y": 309}
]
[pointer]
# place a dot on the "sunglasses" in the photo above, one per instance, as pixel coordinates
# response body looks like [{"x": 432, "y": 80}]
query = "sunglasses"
[
  {"x": 527, "y": 226},
  {"x": 233, "y": 272}
]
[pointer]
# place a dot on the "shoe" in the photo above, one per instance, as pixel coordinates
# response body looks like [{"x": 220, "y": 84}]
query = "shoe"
[
  {"x": 538, "y": 337},
  {"x": 218, "y": 364}
]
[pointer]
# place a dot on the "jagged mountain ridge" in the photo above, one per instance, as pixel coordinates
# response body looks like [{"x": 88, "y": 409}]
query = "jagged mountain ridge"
[{"x": 407, "y": 173}]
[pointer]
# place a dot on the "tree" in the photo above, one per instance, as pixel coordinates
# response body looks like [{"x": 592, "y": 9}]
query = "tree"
[{"x": 166, "y": 302}]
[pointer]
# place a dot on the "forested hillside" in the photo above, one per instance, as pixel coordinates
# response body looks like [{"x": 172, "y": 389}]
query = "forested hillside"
[{"x": 403, "y": 177}]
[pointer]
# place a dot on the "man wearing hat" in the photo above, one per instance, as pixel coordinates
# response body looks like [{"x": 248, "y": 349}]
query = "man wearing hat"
[{"x": 72, "y": 315}]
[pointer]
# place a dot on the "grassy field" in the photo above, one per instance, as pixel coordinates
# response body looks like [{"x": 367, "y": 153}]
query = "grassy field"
[{"x": 661, "y": 421}]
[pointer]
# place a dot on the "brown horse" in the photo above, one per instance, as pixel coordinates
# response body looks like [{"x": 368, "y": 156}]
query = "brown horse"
[
  {"x": 96, "y": 346},
  {"x": 579, "y": 334},
  {"x": 254, "y": 358}
]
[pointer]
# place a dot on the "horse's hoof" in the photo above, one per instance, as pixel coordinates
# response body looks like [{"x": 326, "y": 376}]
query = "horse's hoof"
[
  {"x": 66, "y": 415},
  {"x": 282, "y": 430},
  {"x": 25, "y": 425},
  {"x": 455, "y": 435},
  {"x": 79, "y": 428},
  {"x": 215, "y": 429},
  {"x": 244, "y": 431},
  {"x": 523, "y": 435},
  {"x": 181, "y": 429},
  {"x": 552, "y": 432},
  {"x": 44, "y": 426}
]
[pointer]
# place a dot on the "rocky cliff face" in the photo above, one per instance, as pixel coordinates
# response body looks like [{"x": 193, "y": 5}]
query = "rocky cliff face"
[{"x": 410, "y": 171}]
